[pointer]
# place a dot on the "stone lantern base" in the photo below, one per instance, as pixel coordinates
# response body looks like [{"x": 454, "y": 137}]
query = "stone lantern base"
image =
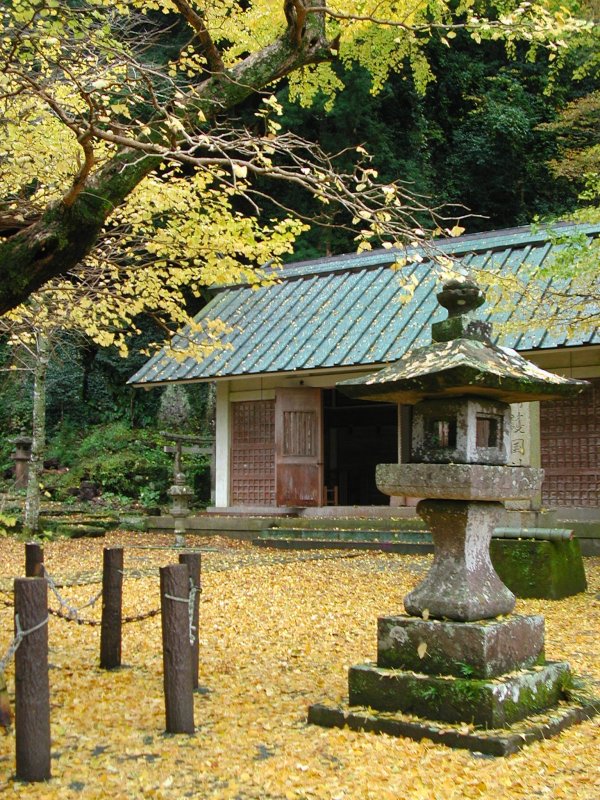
[
  {"x": 491, "y": 742},
  {"x": 481, "y": 685},
  {"x": 490, "y": 673}
]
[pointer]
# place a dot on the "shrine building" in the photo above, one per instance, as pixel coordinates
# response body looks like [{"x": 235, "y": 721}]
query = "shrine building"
[{"x": 287, "y": 438}]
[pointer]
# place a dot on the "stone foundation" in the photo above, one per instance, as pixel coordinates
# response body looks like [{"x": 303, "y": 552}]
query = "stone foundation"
[
  {"x": 488, "y": 742},
  {"x": 487, "y": 703}
]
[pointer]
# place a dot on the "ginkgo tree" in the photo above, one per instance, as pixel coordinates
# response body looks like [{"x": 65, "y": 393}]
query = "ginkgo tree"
[
  {"x": 123, "y": 163},
  {"x": 33, "y": 332}
]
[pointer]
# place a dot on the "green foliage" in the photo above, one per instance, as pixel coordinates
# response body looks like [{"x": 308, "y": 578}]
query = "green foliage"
[
  {"x": 466, "y": 670},
  {"x": 390, "y": 124},
  {"x": 150, "y": 497},
  {"x": 480, "y": 138},
  {"x": 8, "y": 524},
  {"x": 127, "y": 464},
  {"x": 491, "y": 152},
  {"x": 123, "y": 461}
]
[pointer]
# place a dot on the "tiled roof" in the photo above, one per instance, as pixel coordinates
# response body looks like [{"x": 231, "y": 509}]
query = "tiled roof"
[{"x": 346, "y": 311}]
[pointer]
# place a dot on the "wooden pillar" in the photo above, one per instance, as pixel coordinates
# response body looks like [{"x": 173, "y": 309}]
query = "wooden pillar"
[
  {"x": 177, "y": 663},
  {"x": 112, "y": 602},
  {"x": 34, "y": 560},
  {"x": 32, "y": 688}
]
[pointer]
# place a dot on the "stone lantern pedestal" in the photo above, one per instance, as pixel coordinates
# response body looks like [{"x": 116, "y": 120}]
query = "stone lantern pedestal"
[{"x": 458, "y": 657}]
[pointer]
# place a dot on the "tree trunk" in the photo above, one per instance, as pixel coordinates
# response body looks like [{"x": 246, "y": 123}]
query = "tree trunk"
[{"x": 31, "y": 521}]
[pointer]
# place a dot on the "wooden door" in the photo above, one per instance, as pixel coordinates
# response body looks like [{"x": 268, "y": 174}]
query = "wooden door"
[{"x": 299, "y": 447}]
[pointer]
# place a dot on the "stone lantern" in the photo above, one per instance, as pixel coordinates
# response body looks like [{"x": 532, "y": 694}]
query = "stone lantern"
[
  {"x": 22, "y": 457},
  {"x": 458, "y": 655}
]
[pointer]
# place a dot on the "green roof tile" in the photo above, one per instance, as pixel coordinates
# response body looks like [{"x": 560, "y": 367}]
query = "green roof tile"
[{"x": 347, "y": 311}]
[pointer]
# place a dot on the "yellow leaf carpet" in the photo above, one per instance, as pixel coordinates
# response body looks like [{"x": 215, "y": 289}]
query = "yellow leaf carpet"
[{"x": 277, "y": 632}]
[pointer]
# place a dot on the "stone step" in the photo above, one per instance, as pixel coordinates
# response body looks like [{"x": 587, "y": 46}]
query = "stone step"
[
  {"x": 402, "y": 548},
  {"x": 403, "y": 542},
  {"x": 346, "y": 535}
]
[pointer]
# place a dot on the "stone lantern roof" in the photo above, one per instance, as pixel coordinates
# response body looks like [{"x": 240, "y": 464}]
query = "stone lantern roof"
[{"x": 461, "y": 360}]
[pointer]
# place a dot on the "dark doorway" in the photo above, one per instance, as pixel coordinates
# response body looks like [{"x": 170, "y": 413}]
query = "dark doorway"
[{"x": 358, "y": 436}]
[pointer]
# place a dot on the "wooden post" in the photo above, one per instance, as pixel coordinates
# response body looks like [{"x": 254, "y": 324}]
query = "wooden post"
[
  {"x": 112, "y": 600},
  {"x": 32, "y": 688},
  {"x": 194, "y": 563},
  {"x": 177, "y": 664},
  {"x": 34, "y": 560}
]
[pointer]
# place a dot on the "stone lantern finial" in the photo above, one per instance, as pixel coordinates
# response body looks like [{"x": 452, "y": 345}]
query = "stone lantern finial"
[{"x": 460, "y": 296}]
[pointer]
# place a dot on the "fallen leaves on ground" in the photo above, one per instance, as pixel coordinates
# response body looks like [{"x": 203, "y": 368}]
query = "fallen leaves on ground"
[{"x": 277, "y": 633}]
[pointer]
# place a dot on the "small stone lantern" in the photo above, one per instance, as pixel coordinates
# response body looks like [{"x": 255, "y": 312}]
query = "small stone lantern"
[
  {"x": 458, "y": 655},
  {"x": 22, "y": 457},
  {"x": 180, "y": 493}
]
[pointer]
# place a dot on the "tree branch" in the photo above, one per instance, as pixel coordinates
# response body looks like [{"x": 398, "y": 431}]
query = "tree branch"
[
  {"x": 84, "y": 172},
  {"x": 65, "y": 234},
  {"x": 295, "y": 13},
  {"x": 213, "y": 56}
]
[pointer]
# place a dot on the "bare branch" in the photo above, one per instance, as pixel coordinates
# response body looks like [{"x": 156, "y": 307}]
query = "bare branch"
[{"x": 213, "y": 56}]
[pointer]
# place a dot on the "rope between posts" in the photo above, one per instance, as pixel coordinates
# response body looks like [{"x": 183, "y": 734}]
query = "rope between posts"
[
  {"x": 72, "y": 612},
  {"x": 125, "y": 621},
  {"x": 18, "y": 638},
  {"x": 96, "y": 623}
]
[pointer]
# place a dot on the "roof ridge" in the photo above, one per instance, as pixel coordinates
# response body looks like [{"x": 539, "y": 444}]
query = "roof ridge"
[{"x": 459, "y": 245}]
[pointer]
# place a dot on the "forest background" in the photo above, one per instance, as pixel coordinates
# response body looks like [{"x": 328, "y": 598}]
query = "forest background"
[{"x": 507, "y": 135}]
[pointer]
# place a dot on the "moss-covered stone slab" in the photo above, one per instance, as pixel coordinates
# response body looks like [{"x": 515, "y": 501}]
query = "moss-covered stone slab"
[
  {"x": 492, "y": 742},
  {"x": 482, "y": 649},
  {"x": 490, "y": 703},
  {"x": 540, "y": 569},
  {"x": 73, "y": 525},
  {"x": 137, "y": 523}
]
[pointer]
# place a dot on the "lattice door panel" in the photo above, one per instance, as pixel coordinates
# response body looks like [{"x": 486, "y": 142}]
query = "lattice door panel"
[
  {"x": 570, "y": 433},
  {"x": 253, "y": 453}
]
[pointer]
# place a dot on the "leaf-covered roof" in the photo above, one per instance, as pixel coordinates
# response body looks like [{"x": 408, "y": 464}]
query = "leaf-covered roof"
[{"x": 350, "y": 311}]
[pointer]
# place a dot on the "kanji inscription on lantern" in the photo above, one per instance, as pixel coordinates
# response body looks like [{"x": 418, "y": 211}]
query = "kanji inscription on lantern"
[{"x": 520, "y": 451}]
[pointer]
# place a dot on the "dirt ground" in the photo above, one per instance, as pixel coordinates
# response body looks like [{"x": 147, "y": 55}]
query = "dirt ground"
[{"x": 278, "y": 631}]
